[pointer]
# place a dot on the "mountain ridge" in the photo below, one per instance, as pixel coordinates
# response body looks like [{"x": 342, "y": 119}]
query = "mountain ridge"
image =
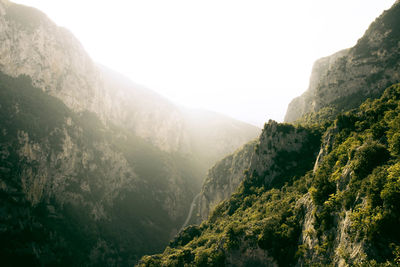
[
  {"x": 94, "y": 169},
  {"x": 354, "y": 74},
  {"x": 323, "y": 190},
  {"x": 55, "y": 60}
]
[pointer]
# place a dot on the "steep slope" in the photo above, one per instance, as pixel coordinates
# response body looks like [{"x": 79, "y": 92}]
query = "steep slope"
[
  {"x": 342, "y": 211},
  {"x": 351, "y": 219},
  {"x": 95, "y": 169},
  {"x": 222, "y": 180},
  {"x": 206, "y": 135},
  {"x": 337, "y": 83},
  {"x": 295, "y": 208},
  {"x": 32, "y": 45},
  {"x": 71, "y": 186},
  {"x": 230, "y": 235},
  {"x": 345, "y": 79}
]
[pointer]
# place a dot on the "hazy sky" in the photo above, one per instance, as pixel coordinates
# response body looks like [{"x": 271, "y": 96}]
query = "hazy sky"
[{"x": 246, "y": 58}]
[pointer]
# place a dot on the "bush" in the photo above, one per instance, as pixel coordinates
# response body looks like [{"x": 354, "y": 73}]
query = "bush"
[{"x": 367, "y": 157}]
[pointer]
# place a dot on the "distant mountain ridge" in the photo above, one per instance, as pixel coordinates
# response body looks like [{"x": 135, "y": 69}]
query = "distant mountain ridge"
[{"x": 58, "y": 64}]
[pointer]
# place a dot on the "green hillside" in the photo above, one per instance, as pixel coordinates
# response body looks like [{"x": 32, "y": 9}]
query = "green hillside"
[
  {"x": 350, "y": 201},
  {"x": 74, "y": 191}
]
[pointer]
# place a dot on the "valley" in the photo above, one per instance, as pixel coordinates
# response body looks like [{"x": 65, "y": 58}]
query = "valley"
[{"x": 96, "y": 170}]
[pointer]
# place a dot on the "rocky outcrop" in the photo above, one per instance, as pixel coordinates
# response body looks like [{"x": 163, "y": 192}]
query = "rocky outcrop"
[
  {"x": 281, "y": 147},
  {"x": 92, "y": 165},
  {"x": 347, "y": 78},
  {"x": 33, "y": 45},
  {"x": 86, "y": 188},
  {"x": 263, "y": 161},
  {"x": 340, "y": 212},
  {"x": 222, "y": 180},
  {"x": 298, "y": 207},
  {"x": 306, "y": 102},
  {"x": 345, "y": 250},
  {"x": 233, "y": 188},
  {"x": 57, "y": 63}
]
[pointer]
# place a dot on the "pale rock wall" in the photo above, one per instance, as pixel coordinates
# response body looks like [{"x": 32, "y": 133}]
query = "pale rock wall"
[
  {"x": 223, "y": 179},
  {"x": 345, "y": 79},
  {"x": 59, "y": 65}
]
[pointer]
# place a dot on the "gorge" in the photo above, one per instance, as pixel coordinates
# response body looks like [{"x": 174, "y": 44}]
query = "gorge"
[{"x": 97, "y": 170}]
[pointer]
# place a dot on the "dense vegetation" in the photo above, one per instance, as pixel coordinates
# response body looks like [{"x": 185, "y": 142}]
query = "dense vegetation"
[
  {"x": 77, "y": 191},
  {"x": 360, "y": 175},
  {"x": 357, "y": 178},
  {"x": 64, "y": 200},
  {"x": 243, "y": 223}
]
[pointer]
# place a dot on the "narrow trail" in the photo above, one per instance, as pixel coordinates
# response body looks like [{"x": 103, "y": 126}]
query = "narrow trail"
[{"x": 190, "y": 211}]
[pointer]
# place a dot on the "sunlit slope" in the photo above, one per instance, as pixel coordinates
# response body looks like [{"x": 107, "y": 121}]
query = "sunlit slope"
[
  {"x": 345, "y": 79},
  {"x": 71, "y": 186},
  {"x": 321, "y": 191},
  {"x": 342, "y": 210},
  {"x": 95, "y": 169}
]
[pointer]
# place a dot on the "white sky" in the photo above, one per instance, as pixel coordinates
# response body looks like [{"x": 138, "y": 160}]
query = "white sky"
[{"x": 244, "y": 58}]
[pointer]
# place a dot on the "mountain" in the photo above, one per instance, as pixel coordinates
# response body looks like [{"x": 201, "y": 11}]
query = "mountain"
[
  {"x": 229, "y": 236},
  {"x": 214, "y": 136},
  {"x": 323, "y": 191},
  {"x": 95, "y": 169},
  {"x": 206, "y": 135},
  {"x": 222, "y": 180},
  {"x": 338, "y": 208},
  {"x": 345, "y": 79},
  {"x": 33, "y": 45},
  {"x": 338, "y": 83},
  {"x": 74, "y": 191}
]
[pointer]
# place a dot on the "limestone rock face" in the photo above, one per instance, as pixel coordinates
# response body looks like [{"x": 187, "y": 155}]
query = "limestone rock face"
[
  {"x": 33, "y": 45},
  {"x": 345, "y": 79},
  {"x": 278, "y": 145},
  {"x": 223, "y": 179},
  {"x": 346, "y": 250},
  {"x": 316, "y": 192},
  {"x": 93, "y": 164},
  {"x": 306, "y": 102},
  {"x": 279, "y": 149},
  {"x": 81, "y": 187},
  {"x": 57, "y": 63}
]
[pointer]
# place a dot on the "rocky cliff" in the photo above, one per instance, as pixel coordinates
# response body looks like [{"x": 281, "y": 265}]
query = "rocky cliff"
[
  {"x": 34, "y": 46},
  {"x": 338, "y": 208},
  {"x": 222, "y": 181},
  {"x": 344, "y": 80},
  {"x": 71, "y": 186},
  {"x": 94, "y": 169},
  {"x": 338, "y": 82},
  {"x": 282, "y": 153},
  {"x": 323, "y": 191},
  {"x": 260, "y": 158}
]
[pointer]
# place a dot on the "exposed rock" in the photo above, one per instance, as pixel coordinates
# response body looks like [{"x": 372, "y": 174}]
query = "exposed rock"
[
  {"x": 279, "y": 143},
  {"x": 57, "y": 63},
  {"x": 223, "y": 179},
  {"x": 345, "y": 79},
  {"x": 265, "y": 159},
  {"x": 294, "y": 208},
  {"x": 114, "y": 163}
]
